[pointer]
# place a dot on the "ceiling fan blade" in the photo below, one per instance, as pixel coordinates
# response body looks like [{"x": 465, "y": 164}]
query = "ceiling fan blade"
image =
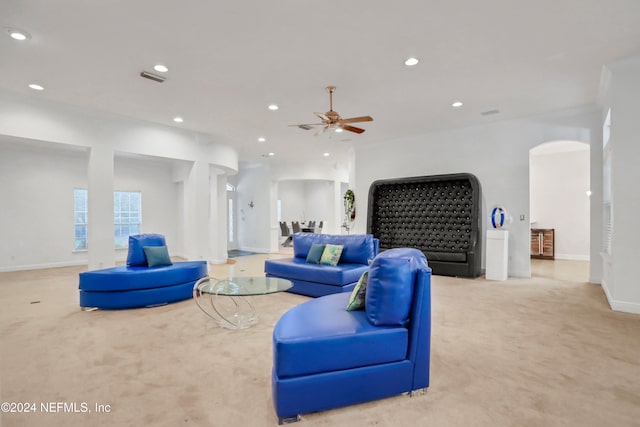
[
  {"x": 305, "y": 125},
  {"x": 357, "y": 119},
  {"x": 323, "y": 116},
  {"x": 321, "y": 131},
  {"x": 352, "y": 129}
]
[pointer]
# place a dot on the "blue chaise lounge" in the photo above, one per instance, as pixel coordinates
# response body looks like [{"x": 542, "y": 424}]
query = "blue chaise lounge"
[
  {"x": 325, "y": 356},
  {"x": 150, "y": 278}
]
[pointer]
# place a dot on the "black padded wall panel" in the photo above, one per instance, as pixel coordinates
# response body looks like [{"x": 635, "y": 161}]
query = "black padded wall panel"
[{"x": 440, "y": 215}]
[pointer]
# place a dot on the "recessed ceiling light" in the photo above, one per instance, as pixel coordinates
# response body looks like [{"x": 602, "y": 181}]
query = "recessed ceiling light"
[
  {"x": 160, "y": 68},
  {"x": 271, "y": 154},
  {"x": 411, "y": 62},
  {"x": 273, "y": 107},
  {"x": 178, "y": 119},
  {"x": 339, "y": 130},
  {"x": 262, "y": 139},
  {"x": 19, "y": 34},
  {"x": 36, "y": 86},
  {"x": 326, "y": 154},
  {"x": 457, "y": 104}
]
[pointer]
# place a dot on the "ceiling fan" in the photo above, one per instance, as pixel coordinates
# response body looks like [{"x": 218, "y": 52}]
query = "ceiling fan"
[{"x": 332, "y": 119}]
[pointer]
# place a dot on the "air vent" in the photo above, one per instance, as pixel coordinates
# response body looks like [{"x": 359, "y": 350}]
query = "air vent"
[
  {"x": 490, "y": 112},
  {"x": 305, "y": 127},
  {"x": 151, "y": 76}
]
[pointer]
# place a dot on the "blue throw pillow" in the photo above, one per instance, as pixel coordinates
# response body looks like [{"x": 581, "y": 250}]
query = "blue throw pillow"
[
  {"x": 157, "y": 255},
  {"x": 136, "y": 254},
  {"x": 315, "y": 253}
]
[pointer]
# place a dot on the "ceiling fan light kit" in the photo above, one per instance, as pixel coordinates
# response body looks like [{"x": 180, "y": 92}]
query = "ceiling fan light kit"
[{"x": 332, "y": 119}]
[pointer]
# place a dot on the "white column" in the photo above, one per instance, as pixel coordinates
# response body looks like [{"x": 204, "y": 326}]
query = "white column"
[
  {"x": 623, "y": 290},
  {"x": 274, "y": 227},
  {"x": 338, "y": 210},
  {"x": 196, "y": 212},
  {"x": 595, "y": 214},
  {"x": 218, "y": 217},
  {"x": 100, "y": 229}
]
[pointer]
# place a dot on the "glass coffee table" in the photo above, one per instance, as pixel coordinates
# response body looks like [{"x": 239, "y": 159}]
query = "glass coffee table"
[{"x": 224, "y": 300}]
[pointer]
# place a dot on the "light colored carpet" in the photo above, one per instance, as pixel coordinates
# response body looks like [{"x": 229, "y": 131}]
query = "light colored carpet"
[{"x": 525, "y": 352}]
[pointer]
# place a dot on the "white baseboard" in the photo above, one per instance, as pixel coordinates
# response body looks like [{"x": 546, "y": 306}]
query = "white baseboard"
[
  {"x": 572, "y": 257},
  {"x": 520, "y": 273},
  {"x": 624, "y": 306},
  {"x": 256, "y": 250},
  {"x": 42, "y": 266}
]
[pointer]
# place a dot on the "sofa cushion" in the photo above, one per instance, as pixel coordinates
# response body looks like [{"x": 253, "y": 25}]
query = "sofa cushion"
[
  {"x": 446, "y": 256},
  {"x": 315, "y": 253},
  {"x": 321, "y": 336},
  {"x": 300, "y": 269},
  {"x": 331, "y": 254},
  {"x": 157, "y": 256},
  {"x": 356, "y": 301},
  {"x": 136, "y": 277},
  {"x": 357, "y": 248},
  {"x": 136, "y": 254},
  {"x": 390, "y": 286}
]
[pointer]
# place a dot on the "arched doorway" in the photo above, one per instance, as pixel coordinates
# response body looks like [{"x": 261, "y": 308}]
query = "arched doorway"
[
  {"x": 232, "y": 219},
  {"x": 559, "y": 194}
]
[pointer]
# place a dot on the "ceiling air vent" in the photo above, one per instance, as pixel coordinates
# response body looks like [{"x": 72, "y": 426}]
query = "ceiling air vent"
[
  {"x": 490, "y": 112},
  {"x": 150, "y": 76}
]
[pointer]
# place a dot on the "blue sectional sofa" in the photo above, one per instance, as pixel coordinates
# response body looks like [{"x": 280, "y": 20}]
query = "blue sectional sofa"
[
  {"x": 314, "y": 279},
  {"x": 137, "y": 284},
  {"x": 325, "y": 356}
]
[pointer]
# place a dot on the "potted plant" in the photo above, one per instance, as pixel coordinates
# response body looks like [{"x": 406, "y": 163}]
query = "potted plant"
[{"x": 349, "y": 208}]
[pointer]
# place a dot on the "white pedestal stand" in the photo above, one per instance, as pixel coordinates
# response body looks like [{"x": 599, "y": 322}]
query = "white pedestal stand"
[{"x": 497, "y": 255}]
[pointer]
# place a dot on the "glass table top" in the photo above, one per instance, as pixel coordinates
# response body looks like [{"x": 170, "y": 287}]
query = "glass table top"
[{"x": 242, "y": 286}]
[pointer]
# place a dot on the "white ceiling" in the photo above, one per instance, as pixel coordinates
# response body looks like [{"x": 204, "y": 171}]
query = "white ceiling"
[{"x": 229, "y": 59}]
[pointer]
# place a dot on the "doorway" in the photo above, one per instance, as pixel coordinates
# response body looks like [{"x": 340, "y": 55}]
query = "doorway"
[
  {"x": 559, "y": 204},
  {"x": 232, "y": 220}
]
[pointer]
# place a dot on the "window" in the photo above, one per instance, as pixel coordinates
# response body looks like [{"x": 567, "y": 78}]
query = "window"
[
  {"x": 127, "y": 213},
  {"x": 80, "y": 214}
]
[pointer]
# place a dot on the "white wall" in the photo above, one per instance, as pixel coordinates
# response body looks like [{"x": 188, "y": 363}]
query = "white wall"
[
  {"x": 558, "y": 186},
  {"x": 319, "y": 203},
  {"x": 621, "y": 94},
  {"x": 42, "y": 120},
  {"x": 254, "y": 224},
  {"x": 37, "y": 202},
  {"x": 159, "y": 197},
  {"x": 106, "y": 137},
  {"x": 292, "y": 196},
  {"x": 497, "y": 153},
  {"x": 36, "y": 217},
  {"x": 308, "y": 200}
]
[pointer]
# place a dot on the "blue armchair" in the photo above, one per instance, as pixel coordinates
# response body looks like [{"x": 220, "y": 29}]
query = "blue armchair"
[{"x": 325, "y": 356}]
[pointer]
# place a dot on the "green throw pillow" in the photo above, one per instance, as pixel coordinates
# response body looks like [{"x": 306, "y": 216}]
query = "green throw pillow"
[
  {"x": 356, "y": 301},
  {"x": 157, "y": 255},
  {"x": 331, "y": 254},
  {"x": 315, "y": 253}
]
